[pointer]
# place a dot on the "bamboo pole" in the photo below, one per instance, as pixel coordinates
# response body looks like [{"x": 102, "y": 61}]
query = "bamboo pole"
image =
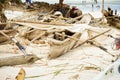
[
  {"x": 93, "y": 38},
  {"x": 103, "y": 11}
]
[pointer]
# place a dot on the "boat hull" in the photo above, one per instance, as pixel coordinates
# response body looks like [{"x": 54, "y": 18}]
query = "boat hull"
[{"x": 58, "y": 48}]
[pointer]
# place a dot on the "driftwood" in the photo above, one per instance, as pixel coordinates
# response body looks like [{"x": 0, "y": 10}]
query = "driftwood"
[
  {"x": 31, "y": 35},
  {"x": 91, "y": 42},
  {"x": 73, "y": 20},
  {"x": 8, "y": 32},
  {"x": 17, "y": 60},
  {"x": 59, "y": 47}
]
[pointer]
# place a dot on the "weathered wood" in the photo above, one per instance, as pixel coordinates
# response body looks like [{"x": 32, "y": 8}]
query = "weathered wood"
[
  {"x": 73, "y": 20},
  {"x": 102, "y": 48},
  {"x": 37, "y": 22},
  {"x": 74, "y": 38},
  {"x": 34, "y": 34},
  {"x": 3, "y": 37},
  {"x": 17, "y": 60},
  {"x": 39, "y": 35},
  {"x": 92, "y": 38},
  {"x": 59, "y": 47}
]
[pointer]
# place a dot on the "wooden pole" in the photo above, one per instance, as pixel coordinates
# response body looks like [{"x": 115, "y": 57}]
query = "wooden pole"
[
  {"x": 103, "y": 10},
  {"x": 102, "y": 6},
  {"x": 37, "y": 22},
  {"x": 61, "y": 4},
  {"x": 93, "y": 38},
  {"x": 39, "y": 35}
]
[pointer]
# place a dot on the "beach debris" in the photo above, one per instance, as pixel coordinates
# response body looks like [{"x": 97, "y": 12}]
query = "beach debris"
[
  {"x": 7, "y": 32},
  {"x": 21, "y": 74},
  {"x": 74, "y": 77},
  {"x": 82, "y": 19},
  {"x": 3, "y": 18},
  {"x": 59, "y": 46},
  {"x": 93, "y": 38},
  {"x": 36, "y": 35},
  {"x": 116, "y": 44},
  {"x": 101, "y": 47},
  {"x": 17, "y": 60},
  {"x": 86, "y": 19},
  {"x": 20, "y": 47}
]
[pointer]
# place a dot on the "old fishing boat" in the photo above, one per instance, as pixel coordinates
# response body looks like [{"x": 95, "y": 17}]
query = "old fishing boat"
[{"x": 62, "y": 42}]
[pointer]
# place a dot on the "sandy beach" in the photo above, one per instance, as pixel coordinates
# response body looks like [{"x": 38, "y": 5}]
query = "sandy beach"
[{"x": 84, "y": 62}]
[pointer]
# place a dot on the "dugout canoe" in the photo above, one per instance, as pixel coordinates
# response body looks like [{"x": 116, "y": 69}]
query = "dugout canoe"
[{"x": 60, "y": 44}]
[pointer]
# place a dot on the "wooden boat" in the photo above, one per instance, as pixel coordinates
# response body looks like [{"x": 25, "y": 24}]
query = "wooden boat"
[
  {"x": 114, "y": 21},
  {"x": 9, "y": 33},
  {"x": 60, "y": 44}
]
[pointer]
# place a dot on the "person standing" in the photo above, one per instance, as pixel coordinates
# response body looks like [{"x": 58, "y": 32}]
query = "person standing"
[
  {"x": 92, "y": 7},
  {"x": 116, "y": 12},
  {"x": 28, "y": 3},
  {"x": 75, "y": 12}
]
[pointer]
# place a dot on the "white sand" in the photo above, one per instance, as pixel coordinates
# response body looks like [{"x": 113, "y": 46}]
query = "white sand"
[{"x": 77, "y": 64}]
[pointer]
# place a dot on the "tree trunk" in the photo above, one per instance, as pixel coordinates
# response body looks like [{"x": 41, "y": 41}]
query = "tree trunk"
[{"x": 102, "y": 6}]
